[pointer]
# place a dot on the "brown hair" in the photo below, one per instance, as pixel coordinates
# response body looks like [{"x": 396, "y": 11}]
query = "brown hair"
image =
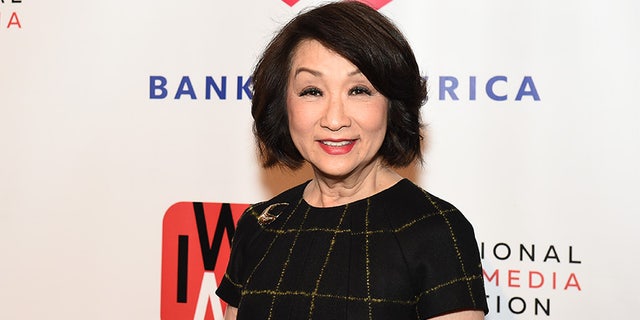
[{"x": 372, "y": 43}]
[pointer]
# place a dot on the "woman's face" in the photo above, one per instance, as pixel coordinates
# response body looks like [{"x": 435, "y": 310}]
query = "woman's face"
[{"x": 337, "y": 119}]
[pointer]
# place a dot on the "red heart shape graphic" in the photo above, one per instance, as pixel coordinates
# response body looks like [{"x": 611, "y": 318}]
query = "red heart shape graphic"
[{"x": 376, "y": 4}]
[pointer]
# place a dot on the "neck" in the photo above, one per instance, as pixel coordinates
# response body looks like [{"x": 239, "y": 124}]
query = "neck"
[{"x": 327, "y": 191}]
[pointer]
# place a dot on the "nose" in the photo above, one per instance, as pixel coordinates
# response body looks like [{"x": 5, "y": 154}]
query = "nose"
[{"x": 335, "y": 117}]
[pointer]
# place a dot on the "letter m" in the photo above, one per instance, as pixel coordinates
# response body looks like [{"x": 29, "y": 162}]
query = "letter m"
[{"x": 490, "y": 278}]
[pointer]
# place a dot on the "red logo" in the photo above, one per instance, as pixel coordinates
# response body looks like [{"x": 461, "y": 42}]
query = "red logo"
[
  {"x": 196, "y": 240},
  {"x": 376, "y": 4}
]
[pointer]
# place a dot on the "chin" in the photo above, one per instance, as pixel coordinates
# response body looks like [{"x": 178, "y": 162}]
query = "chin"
[{"x": 336, "y": 173}]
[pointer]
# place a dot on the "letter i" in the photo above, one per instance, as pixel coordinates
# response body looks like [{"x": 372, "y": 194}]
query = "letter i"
[{"x": 472, "y": 88}]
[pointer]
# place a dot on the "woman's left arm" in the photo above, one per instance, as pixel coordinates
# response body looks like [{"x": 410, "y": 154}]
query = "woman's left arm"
[{"x": 462, "y": 315}]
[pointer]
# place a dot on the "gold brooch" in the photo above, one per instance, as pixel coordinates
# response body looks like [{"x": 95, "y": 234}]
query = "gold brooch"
[{"x": 266, "y": 217}]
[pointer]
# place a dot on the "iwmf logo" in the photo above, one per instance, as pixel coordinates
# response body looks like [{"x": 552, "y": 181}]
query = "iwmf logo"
[
  {"x": 196, "y": 240},
  {"x": 376, "y": 4}
]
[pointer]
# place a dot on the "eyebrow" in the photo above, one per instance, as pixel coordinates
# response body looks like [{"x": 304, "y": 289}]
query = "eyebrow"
[{"x": 318, "y": 73}]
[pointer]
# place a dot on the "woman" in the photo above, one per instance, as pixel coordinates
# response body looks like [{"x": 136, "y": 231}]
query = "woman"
[{"x": 339, "y": 88}]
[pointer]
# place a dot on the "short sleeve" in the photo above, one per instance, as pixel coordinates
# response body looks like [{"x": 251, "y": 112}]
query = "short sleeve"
[
  {"x": 444, "y": 262},
  {"x": 231, "y": 285}
]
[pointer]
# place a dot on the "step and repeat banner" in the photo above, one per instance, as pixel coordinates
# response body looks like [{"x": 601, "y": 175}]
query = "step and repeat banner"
[{"x": 127, "y": 153}]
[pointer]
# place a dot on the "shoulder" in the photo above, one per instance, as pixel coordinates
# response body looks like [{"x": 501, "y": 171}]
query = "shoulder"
[
  {"x": 257, "y": 215},
  {"x": 439, "y": 246},
  {"x": 291, "y": 195},
  {"x": 407, "y": 191},
  {"x": 275, "y": 204},
  {"x": 429, "y": 229},
  {"x": 408, "y": 203}
]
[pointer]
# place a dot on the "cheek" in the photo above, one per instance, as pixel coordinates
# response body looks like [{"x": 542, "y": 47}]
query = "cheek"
[
  {"x": 293, "y": 118},
  {"x": 298, "y": 121},
  {"x": 376, "y": 122},
  {"x": 301, "y": 117}
]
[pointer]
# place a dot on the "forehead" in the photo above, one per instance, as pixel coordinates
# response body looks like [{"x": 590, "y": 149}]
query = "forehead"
[{"x": 318, "y": 60}]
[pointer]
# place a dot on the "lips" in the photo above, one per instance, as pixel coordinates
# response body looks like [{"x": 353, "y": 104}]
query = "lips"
[{"x": 337, "y": 147}]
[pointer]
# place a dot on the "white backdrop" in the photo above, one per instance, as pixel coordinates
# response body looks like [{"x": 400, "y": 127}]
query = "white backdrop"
[{"x": 92, "y": 157}]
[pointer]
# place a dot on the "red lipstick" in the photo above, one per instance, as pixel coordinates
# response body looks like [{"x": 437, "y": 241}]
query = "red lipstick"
[{"x": 337, "y": 147}]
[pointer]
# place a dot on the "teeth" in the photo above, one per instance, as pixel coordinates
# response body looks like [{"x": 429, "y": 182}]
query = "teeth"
[{"x": 336, "y": 143}]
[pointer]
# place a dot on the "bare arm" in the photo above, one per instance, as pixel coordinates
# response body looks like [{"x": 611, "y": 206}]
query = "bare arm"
[
  {"x": 462, "y": 315},
  {"x": 231, "y": 312}
]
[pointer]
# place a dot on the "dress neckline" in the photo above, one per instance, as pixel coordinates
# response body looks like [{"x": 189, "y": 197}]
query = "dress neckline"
[{"x": 379, "y": 194}]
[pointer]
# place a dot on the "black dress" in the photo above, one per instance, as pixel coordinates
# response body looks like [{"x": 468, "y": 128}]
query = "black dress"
[{"x": 399, "y": 254}]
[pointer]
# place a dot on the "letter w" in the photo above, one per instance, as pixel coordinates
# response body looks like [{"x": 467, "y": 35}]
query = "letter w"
[{"x": 225, "y": 222}]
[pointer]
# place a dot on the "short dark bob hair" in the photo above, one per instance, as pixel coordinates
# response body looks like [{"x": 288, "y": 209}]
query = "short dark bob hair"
[{"x": 372, "y": 43}]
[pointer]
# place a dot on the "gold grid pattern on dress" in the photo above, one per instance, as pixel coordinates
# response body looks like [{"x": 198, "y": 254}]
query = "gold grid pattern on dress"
[
  {"x": 338, "y": 230},
  {"x": 326, "y": 261},
  {"x": 266, "y": 252},
  {"x": 455, "y": 245},
  {"x": 286, "y": 262}
]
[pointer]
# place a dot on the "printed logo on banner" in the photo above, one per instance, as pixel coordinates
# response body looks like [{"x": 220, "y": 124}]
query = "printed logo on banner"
[
  {"x": 196, "y": 240},
  {"x": 290, "y": 2},
  {"x": 494, "y": 88},
  {"x": 376, "y": 4},
  {"x": 449, "y": 88},
  {"x": 529, "y": 279},
  {"x": 10, "y": 15},
  {"x": 207, "y": 88}
]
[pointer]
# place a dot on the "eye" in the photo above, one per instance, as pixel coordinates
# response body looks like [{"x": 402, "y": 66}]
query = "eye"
[
  {"x": 359, "y": 90},
  {"x": 312, "y": 91}
]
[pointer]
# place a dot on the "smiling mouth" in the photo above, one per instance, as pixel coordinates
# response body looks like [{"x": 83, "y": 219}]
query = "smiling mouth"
[
  {"x": 336, "y": 143},
  {"x": 337, "y": 147}
]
